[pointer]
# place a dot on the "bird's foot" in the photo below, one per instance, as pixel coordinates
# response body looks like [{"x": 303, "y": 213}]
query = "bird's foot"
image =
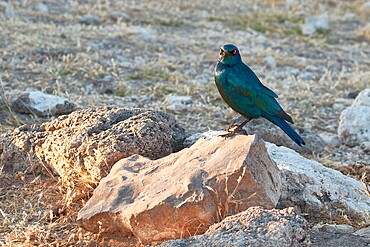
[{"x": 233, "y": 130}]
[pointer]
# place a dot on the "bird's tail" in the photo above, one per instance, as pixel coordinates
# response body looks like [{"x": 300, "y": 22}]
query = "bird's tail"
[{"x": 287, "y": 129}]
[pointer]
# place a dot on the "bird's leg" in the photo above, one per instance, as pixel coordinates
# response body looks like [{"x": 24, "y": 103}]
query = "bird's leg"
[{"x": 234, "y": 129}]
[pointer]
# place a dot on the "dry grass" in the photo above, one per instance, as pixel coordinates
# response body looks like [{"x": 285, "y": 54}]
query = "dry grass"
[
  {"x": 173, "y": 53},
  {"x": 366, "y": 184}
]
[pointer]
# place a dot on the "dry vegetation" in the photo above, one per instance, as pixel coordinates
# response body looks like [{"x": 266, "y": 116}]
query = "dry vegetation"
[{"x": 162, "y": 48}]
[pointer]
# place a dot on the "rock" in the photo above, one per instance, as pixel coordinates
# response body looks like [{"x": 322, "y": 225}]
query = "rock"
[
  {"x": 54, "y": 52},
  {"x": 292, "y": 71},
  {"x": 41, "y": 104},
  {"x": 364, "y": 232},
  {"x": 115, "y": 16},
  {"x": 338, "y": 107},
  {"x": 41, "y": 7},
  {"x": 306, "y": 76},
  {"x": 178, "y": 103},
  {"x": 254, "y": 227},
  {"x": 354, "y": 124},
  {"x": 90, "y": 20},
  {"x": 365, "y": 146},
  {"x": 350, "y": 95},
  {"x": 319, "y": 192},
  {"x": 270, "y": 62},
  {"x": 342, "y": 228},
  {"x": 184, "y": 193},
  {"x": 366, "y": 6},
  {"x": 362, "y": 99},
  {"x": 106, "y": 84},
  {"x": 337, "y": 239},
  {"x": 330, "y": 139},
  {"x": 313, "y": 23},
  {"x": 88, "y": 142},
  {"x": 142, "y": 33}
]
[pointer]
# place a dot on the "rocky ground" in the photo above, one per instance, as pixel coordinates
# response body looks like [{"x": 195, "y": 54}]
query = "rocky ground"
[{"x": 148, "y": 53}]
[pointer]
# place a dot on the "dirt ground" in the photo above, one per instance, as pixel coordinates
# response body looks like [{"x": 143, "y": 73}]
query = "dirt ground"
[{"x": 136, "y": 53}]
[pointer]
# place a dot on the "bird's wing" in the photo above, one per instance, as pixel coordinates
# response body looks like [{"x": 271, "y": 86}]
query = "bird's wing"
[{"x": 245, "y": 82}]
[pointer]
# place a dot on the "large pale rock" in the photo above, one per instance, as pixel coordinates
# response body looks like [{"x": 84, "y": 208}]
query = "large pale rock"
[
  {"x": 89, "y": 142},
  {"x": 354, "y": 125},
  {"x": 318, "y": 191},
  {"x": 41, "y": 104},
  {"x": 254, "y": 227},
  {"x": 184, "y": 193}
]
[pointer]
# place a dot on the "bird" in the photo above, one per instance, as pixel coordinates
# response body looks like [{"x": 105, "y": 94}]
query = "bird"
[{"x": 241, "y": 89}]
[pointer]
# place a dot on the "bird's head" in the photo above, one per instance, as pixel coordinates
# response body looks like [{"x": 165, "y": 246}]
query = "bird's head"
[{"x": 229, "y": 54}]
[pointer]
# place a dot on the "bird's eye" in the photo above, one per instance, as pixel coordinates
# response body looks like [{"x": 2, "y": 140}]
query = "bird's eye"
[{"x": 234, "y": 52}]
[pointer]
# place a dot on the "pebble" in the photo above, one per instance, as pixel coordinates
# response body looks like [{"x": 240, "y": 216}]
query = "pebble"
[
  {"x": 90, "y": 19},
  {"x": 41, "y": 7},
  {"x": 270, "y": 62},
  {"x": 315, "y": 22},
  {"x": 306, "y": 76}
]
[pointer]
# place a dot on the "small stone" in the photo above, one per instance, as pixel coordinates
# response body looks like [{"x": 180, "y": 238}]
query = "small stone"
[
  {"x": 192, "y": 139},
  {"x": 349, "y": 16},
  {"x": 142, "y": 33},
  {"x": 313, "y": 23},
  {"x": 366, "y": 6},
  {"x": 365, "y": 146},
  {"x": 364, "y": 232},
  {"x": 90, "y": 19},
  {"x": 106, "y": 84},
  {"x": 330, "y": 139},
  {"x": 362, "y": 99},
  {"x": 293, "y": 71},
  {"x": 312, "y": 68},
  {"x": 338, "y": 107},
  {"x": 41, "y": 104},
  {"x": 41, "y": 7},
  {"x": 308, "y": 29},
  {"x": 119, "y": 15},
  {"x": 306, "y": 76},
  {"x": 270, "y": 62},
  {"x": 178, "y": 103}
]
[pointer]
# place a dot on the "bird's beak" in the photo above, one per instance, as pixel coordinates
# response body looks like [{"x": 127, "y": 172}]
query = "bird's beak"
[{"x": 224, "y": 52}]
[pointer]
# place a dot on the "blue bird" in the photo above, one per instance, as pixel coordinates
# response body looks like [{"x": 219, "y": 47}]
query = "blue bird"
[{"x": 241, "y": 89}]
